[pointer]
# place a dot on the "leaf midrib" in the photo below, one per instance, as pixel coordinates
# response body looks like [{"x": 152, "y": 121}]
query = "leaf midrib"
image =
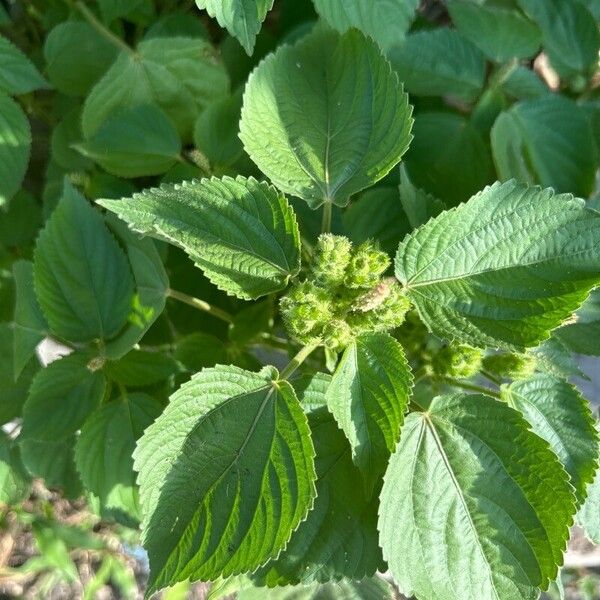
[{"x": 429, "y": 424}]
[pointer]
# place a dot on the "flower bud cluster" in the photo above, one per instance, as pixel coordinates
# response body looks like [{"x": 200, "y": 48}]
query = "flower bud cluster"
[
  {"x": 344, "y": 295},
  {"x": 510, "y": 366},
  {"x": 459, "y": 360}
]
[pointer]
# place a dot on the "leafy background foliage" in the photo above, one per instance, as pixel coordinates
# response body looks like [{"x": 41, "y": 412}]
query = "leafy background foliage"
[{"x": 166, "y": 168}]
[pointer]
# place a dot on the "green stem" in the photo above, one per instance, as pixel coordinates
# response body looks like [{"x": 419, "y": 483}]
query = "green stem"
[
  {"x": 273, "y": 341},
  {"x": 492, "y": 377},
  {"x": 327, "y": 214},
  {"x": 122, "y": 390},
  {"x": 503, "y": 73},
  {"x": 90, "y": 17},
  {"x": 201, "y": 305},
  {"x": 471, "y": 387},
  {"x": 297, "y": 361}
]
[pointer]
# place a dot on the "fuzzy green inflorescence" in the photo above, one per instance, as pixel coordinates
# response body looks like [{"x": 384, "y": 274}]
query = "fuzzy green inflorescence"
[
  {"x": 510, "y": 366},
  {"x": 457, "y": 361},
  {"x": 344, "y": 295}
]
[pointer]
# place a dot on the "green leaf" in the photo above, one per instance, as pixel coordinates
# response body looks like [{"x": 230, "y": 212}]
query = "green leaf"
[
  {"x": 18, "y": 75},
  {"x": 554, "y": 357},
  {"x": 368, "y": 397},
  {"x": 13, "y": 391},
  {"x": 505, "y": 268},
  {"x": 559, "y": 414},
  {"x": 524, "y": 84},
  {"x": 20, "y": 223},
  {"x": 583, "y": 334},
  {"x": 242, "y": 18},
  {"x": 117, "y": 9},
  {"x": 448, "y": 157},
  {"x": 377, "y": 214},
  {"x": 82, "y": 278},
  {"x": 199, "y": 350},
  {"x": 179, "y": 75},
  {"x": 65, "y": 136},
  {"x": 15, "y": 148},
  {"x": 229, "y": 442},
  {"x": 104, "y": 450},
  {"x": 297, "y": 108},
  {"x": 241, "y": 233},
  {"x": 14, "y": 480},
  {"x": 134, "y": 142},
  {"x": 140, "y": 368},
  {"x": 385, "y": 22},
  {"x": 177, "y": 23},
  {"x": 252, "y": 321},
  {"x": 589, "y": 514},
  {"x": 418, "y": 205},
  {"x": 372, "y": 588},
  {"x": 474, "y": 505},
  {"x": 216, "y": 131},
  {"x": 30, "y": 326},
  {"x": 54, "y": 462},
  {"x": 500, "y": 33},
  {"x": 547, "y": 140},
  {"x": 76, "y": 57},
  {"x": 440, "y": 62},
  {"x": 4, "y": 17},
  {"x": 593, "y": 6},
  {"x": 54, "y": 551},
  {"x": 61, "y": 397},
  {"x": 339, "y": 537},
  {"x": 151, "y": 284},
  {"x": 570, "y": 35}
]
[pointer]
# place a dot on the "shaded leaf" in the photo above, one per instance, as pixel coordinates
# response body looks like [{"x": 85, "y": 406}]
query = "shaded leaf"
[
  {"x": 448, "y": 157},
  {"x": 377, "y": 214},
  {"x": 15, "y": 148},
  {"x": 179, "y": 75},
  {"x": 439, "y": 62},
  {"x": 140, "y": 368},
  {"x": 14, "y": 480},
  {"x": 547, "y": 140},
  {"x": 30, "y": 326},
  {"x": 76, "y": 57},
  {"x": 60, "y": 399},
  {"x": 151, "y": 284},
  {"x": 386, "y": 22},
  {"x": 134, "y": 142},
  {"x": 570, "y": 35},
  {"x": 82, "y": 278},
  {"x": 18, "y": 75},
  {"x": 54, "y": 462},
  {"x": 500, "y": 33},
  {"x": 13, "y": 391},
  {"x": 104, "y": 450}
]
